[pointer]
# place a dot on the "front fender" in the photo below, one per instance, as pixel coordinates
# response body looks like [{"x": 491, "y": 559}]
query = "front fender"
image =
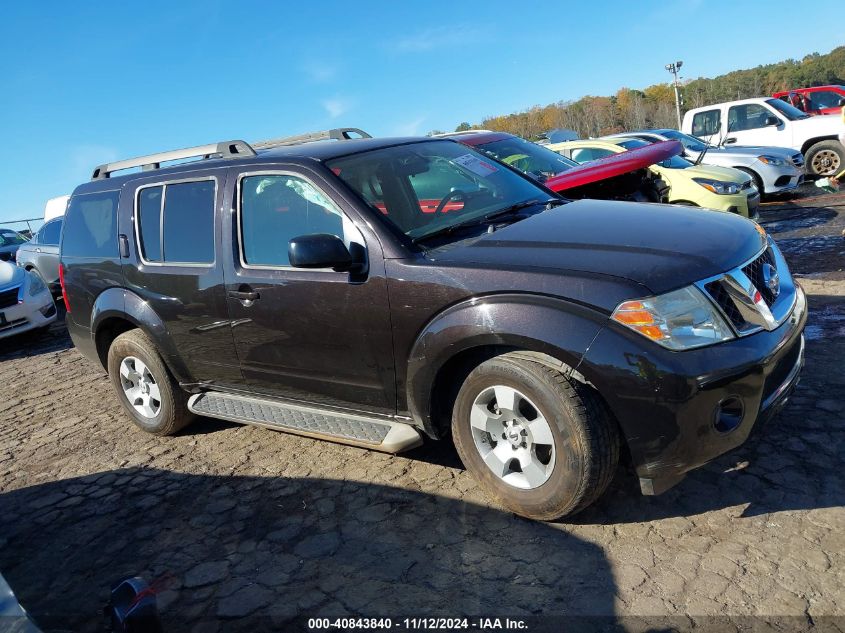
[
  {"x": 123, "y": 304},
  {"x": 536, "y": 323}
]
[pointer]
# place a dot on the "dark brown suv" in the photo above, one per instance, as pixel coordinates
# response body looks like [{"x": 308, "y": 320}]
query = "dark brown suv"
[{"x": 378, "y": 291}]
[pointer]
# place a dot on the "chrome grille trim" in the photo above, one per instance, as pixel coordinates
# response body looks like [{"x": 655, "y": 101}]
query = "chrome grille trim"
[{"x": 742, "y": 304}]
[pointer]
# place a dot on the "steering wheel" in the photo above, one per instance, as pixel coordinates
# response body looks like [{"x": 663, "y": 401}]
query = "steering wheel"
[{"x": 453, "y": 196}]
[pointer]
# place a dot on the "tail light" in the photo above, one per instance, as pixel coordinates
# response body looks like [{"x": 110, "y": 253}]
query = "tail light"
[{"x": 62, "y": 283}]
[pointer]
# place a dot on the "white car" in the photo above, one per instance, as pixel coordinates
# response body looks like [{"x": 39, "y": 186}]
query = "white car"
[
  {"x": 25, "y": 301},
  {"x": 771, "y": 122},
  {"x": 774, "y": 169}
]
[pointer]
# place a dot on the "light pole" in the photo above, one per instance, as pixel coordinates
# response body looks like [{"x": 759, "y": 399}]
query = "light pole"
[{"x": 673, "y": 68}]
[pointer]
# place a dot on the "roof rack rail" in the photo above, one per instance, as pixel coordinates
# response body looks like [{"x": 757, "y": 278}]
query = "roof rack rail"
[
  {"x": 338, "y": 134},
  {"x": 224, "y": 149}
]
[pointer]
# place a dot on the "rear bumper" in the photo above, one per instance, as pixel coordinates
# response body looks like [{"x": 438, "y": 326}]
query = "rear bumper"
[
  {"x": 82, "y": 339},
  {"x": 679, "y": 410}
]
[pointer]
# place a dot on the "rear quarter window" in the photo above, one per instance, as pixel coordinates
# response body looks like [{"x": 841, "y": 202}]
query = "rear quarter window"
[{"x": 90, "y": 226}]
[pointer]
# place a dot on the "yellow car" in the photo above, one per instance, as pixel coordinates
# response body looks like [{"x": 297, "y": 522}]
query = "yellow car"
[{"x": 709, "y": 186}]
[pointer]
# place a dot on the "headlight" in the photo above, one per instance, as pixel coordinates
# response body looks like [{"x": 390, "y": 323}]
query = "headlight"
[
  {"x": 678, "y": 320},
  {"x": 36, "y": 284},
  {"x": 717, "y": 186},
  {"x": 774, "y": 161}
]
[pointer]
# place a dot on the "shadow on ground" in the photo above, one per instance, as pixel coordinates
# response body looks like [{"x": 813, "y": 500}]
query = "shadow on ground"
[
  {"x": 32, "y": 343},
  {"x": 257, "y": 552}
]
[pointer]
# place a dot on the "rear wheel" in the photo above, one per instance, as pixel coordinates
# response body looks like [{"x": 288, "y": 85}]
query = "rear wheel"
[
  {"x": 542, "y": 446},
  {"x": 826, "y": 158},
  {"x": 149, "y": 394}
]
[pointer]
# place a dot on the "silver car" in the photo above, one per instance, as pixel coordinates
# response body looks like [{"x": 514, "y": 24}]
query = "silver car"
[
  {"x": 25, "y": 301},
  {"x": 41, "y": 254},
  {"x": 774, "y": 169}
]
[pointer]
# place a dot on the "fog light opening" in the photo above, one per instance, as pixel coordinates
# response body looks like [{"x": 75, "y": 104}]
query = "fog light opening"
[{"x": 728, "y": 414}]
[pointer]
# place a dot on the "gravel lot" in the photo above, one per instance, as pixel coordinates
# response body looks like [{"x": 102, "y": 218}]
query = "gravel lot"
[{"x": 237, "y": 521}]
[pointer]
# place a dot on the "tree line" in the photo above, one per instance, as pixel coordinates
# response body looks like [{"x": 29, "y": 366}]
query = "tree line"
[{"x": 654, "y": 107}]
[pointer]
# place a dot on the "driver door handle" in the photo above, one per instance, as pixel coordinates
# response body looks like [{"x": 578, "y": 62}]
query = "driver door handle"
[
  {"x": 730, "y": 139},
  {"x": 244, "y": 296}
]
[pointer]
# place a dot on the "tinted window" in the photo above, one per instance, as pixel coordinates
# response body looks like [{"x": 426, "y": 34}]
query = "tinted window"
[
  {"x": 149, "y": 223},
  {"x": 189, "y": 222},
  {"x": 529, "y": 157},
  {"x": 275, "y": 209},
  {"x": 186, "y": 233},
  {"x": 706, "y": 123},
  {"x": 790, "y": 112},
  {"x": 50, "y": 233},
  {"x": 91, "y": 226}
]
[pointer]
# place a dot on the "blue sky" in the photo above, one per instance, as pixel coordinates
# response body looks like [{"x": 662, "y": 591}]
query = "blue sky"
[{"x": 88, "y": 83}]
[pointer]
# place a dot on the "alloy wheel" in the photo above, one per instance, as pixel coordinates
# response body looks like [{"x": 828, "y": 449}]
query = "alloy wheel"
[
  {"x": 140, "y": 387},
  {"x": 512, "y": 437}
]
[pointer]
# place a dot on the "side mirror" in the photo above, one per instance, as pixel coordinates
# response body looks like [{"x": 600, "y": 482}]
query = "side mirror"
[
  {"x": 320, "y": 250},
  {"x": 772, "y": 120},
  {"x": 841, "y": 102}
]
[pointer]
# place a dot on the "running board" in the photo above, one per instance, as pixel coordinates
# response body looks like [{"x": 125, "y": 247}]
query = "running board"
[{"x": 373, "y": 433}]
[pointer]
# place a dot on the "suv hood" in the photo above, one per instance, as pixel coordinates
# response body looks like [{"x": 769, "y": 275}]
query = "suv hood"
[
  {"x": 820, "y": 125},
  {"x": 661, "y": 247}
]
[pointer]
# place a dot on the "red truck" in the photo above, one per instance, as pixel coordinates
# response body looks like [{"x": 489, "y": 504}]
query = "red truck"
[{"x": 817, "y": 100}]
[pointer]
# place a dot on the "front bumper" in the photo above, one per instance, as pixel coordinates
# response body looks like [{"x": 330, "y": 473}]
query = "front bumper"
[
  {"x": 780, "y": 179},
  {"x": 671, "y": 406},
  {"x": 32, "y": 313}
]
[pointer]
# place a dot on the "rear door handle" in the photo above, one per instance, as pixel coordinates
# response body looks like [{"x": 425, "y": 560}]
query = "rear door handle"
[{"x": 244, "y": 296}]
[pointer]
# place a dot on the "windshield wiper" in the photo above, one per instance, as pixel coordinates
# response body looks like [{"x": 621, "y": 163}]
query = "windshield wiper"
[{"x": 486, "y": 219}]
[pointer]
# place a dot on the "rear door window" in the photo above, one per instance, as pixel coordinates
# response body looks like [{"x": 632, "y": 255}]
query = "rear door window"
[
  {"x": 50, "y": 233},
  {"x": 175, "y": 222},
  {"x": 91, "y": 225},
  {"x": 706, "y": 123}
]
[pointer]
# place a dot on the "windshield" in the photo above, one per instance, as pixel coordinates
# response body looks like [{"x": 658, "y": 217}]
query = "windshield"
[
  {"x": 789, "y": 111},
  {"x": 675, "y": 162},
  {"x": 9, "y": 237},
  {"x": 535, "y": 160},
  {"x": 423, "y": 188},
  {"x": 689, "y": 142}
]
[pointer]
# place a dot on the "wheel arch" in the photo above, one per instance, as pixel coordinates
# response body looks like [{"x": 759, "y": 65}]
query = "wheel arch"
[
  {"x": 808, "y": 144},
  {"x": 116, "y": 311},
  {"x": 550, "y": 331}
]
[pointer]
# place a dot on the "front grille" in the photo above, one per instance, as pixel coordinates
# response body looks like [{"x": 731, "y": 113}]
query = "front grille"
[
  {"x": 798, "y": 160},
  {"x": 721, "y": 297},
  {"x": 9, "y": 298},
  {"x": 754, "y": 270}
]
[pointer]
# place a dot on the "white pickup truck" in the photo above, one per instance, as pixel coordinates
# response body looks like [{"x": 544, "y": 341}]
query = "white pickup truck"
[{"x": 769, "y": 122}]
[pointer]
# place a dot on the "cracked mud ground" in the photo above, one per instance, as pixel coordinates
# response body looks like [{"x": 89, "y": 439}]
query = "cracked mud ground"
[{"x": 246, "y": 528}]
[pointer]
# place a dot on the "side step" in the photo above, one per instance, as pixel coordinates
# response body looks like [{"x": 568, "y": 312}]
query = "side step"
[{"x": 373, "y": 433}]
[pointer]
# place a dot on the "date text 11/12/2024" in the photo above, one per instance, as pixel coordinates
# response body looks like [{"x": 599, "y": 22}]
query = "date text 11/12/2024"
[{"x": 417, "y": 624}]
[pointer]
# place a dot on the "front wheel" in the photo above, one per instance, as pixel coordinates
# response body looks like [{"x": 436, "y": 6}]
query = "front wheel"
[
  {"x": 149, "y": 394},
  {"x": 541, "y": 445},
  {"x": 826, "y": 158}
]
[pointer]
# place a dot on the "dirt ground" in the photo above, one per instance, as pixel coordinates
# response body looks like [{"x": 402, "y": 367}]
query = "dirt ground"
[{"x": 245, "y": 528}]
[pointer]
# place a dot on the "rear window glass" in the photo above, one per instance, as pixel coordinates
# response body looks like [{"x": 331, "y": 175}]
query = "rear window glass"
[
  {"x": 50, "y": 233},
  {"x": 184, "y": 234},
  {"x": 91, "y": 225}
]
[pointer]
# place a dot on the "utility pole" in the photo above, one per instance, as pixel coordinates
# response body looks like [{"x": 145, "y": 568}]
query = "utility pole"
[{"x": 673, "y": 68}]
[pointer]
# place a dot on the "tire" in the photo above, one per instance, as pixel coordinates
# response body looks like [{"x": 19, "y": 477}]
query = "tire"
[
  {"x": 146, "y": 376},
  {"x": 825, "y": 158},
  {"x": 580, "y": 448},
  {"x": 758, "y": 182}
]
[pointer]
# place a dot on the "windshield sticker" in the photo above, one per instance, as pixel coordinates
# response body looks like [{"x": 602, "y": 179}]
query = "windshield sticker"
[{"x": 475, "y": 165}]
